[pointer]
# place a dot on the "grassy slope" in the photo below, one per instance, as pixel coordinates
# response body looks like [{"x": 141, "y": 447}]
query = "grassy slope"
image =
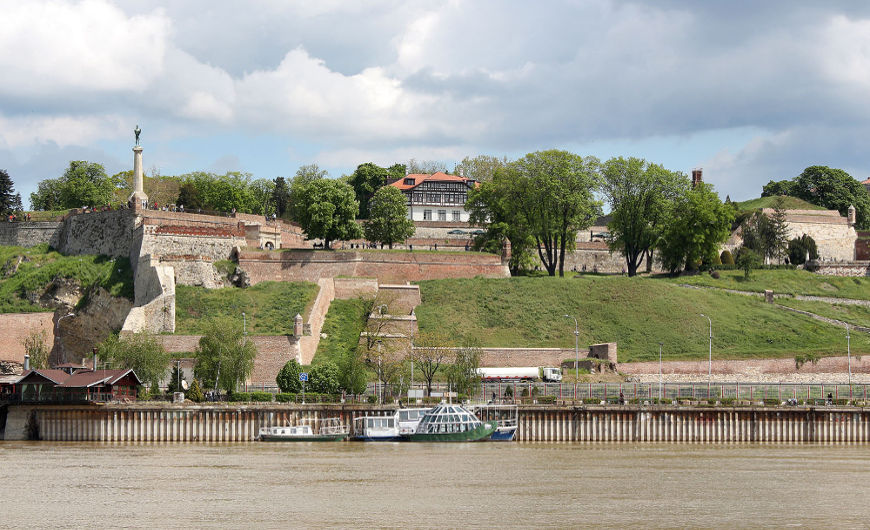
[
  {"x": 269, "y": 306},
  {"x": 42, "y": 266},
  {"x": 342, "y": 326},
  {"x": 784, "y": 282},
  {"x": 637, "y": 313},
  {"x": 790, "y": 203},
  {"x": 853, "y": 314}
]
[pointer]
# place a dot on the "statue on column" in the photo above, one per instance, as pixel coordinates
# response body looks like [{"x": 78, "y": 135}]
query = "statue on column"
[{"x": 137, "y": 131}]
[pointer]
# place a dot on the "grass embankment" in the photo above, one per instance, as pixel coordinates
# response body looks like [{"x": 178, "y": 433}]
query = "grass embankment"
[
  {"x": 788, "y": 203},
  {"x": 342, "y": 326},
  {"x": 41, "y": 265},
  {"x": 269, "y": 307},
  {"x": 853, "y": 314},
  {"x": 784, "y": 282},
  {"x": 637, "y": 313}
]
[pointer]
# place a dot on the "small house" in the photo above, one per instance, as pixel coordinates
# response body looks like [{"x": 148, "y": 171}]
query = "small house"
[{"x": 99, "y": 385}]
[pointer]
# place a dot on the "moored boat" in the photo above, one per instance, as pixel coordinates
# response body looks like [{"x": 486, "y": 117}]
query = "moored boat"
[
  {"x": 331, "y": 430},
  {"x": 451, "y": 423},
  {"x": 505, "y": 415},
  {"x": 387, "y": 428}
]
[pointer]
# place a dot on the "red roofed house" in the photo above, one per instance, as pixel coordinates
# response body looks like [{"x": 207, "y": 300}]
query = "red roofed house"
[
  {"x": 866, "y": 184},
  {"x": 39, "y": 385},
  {"x": 435, "y": 197},
  {"x": 99, "y": 385}
]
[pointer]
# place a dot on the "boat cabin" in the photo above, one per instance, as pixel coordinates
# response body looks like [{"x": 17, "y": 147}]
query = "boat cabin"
[{"x": 448, "y": 418}]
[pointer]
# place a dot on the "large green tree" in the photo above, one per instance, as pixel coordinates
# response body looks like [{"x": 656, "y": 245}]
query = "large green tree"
[
  {"x": 82, "y": 184},
  {"x": 326, "y": 209},
  {"x": 640, "y": 195},
  {"x": 481, "y": 167},
  {"x": 829, "y": 187},
  {"x": 7, "y": 193},
  {"x": 220, "y": 192},
  {"x": 699, "y": 224},
  {"x": 767, "y": 234},
  {"x": 280, "y": 196},
  {"x": 304, "y": 176},
  {"x": 553, "y": 194},
  {"x": 224, "y": 355},
  {"x": 141, "y": 352},
  {"x": 366, "y": 180},
  {"x": 388, "y": 221}
]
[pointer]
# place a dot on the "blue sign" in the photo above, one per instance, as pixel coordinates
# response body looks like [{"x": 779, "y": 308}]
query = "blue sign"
[{"x": 303, "y": 377}]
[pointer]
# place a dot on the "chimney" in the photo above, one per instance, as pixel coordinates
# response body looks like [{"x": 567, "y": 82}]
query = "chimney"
[
  {"x": 95, "y": 359},
  {"x": 26, "y": 362},
  {"x": 697, "y": 177}
]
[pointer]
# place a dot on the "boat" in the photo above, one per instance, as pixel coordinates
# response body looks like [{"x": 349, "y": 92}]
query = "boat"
[
  {"x": 506, "y": 416},
  {"x": 450, "y": 422},
  {"x": 388, "y": 428},
  {"x": 331, "y": 430}
]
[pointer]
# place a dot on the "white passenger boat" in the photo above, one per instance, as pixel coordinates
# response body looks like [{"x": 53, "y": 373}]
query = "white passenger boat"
[
  {"x": 388, "y": 428},
  {"x": 506, "y": 416},
  {"x": 331, "y": 430}
]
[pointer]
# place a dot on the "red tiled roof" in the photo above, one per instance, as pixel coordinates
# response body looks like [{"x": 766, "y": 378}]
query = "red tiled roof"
[
  {"x": 420, "y": 178},
  {"x": 84, "y": 379},
  {"x": 865, "y": 181},
  {"x": 55, "y": 376}
]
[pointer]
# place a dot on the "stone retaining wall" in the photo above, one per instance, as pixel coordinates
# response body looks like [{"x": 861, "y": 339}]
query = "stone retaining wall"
[
  {"x": 507, "y": 357},
  {"x": 750, "y": 366},
  {"x": 15, "y": 327}
]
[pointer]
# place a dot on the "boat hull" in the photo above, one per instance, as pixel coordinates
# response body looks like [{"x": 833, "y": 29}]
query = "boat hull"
[
  {"x": 481, "y": 432},
  {"x": 503, "y": 435},
  {"x": 313, "y": 438}
]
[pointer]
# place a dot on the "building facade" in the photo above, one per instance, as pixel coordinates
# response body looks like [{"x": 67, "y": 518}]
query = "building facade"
[{"x": 436, "y": 197}]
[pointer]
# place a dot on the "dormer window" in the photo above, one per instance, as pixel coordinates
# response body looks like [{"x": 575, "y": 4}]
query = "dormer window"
[{"x": 410, "y": 182}]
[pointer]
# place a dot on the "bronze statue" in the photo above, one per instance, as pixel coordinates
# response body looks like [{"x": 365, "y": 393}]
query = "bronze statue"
[{"x": 137, "y": 131}]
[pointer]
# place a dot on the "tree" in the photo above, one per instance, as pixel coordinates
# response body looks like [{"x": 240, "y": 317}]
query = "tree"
[
  {"x": 828, "y": 187},
  {"x": 262, "y": 192},
  {"x": 748, "y": 259},
  {"x": 195, "y": 392},
  {"x": 188, "y": 196},
  {"x": 800, "y": 248},
  {"x": 281, "y": 196},
  {"x": 641, "y": 196},
  {"x": 324, "y": 378},
  {"x": 366, "y": 180},
  {"x": 778, "y": 188},
  {"x": 175, "y": 378},
  {"x": 553, "y": 195},
  {"x": 699, "y": 225},
  {"x": 35, "y": 347},
  {"x": 327, "y": 210},
  {"x": 429, "y": 353},
  {"x": 352, "y": 377},
  {"x": 288, "y": 377},
  {"x": 7, "y": 194},
  {"x": 766, "y": 234},
  {"x": 388, "y": 221},
  {"x": 462, "y": 374},
  {"x": 82, "y": 184},
  {"x": 481, "y": 167},
  {"x": 224, "y": 355},
  {"x": 139, "y": 351},
  {"x": 220, "y": 192},
  {"x": 305, "y": 175}
]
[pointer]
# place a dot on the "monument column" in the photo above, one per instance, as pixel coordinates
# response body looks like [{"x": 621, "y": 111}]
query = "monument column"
[{"x": 138, "y": 199}]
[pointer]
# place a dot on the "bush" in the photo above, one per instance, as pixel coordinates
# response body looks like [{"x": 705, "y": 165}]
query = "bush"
[
  {"x": 285, "y": 397},
  {"x": 288, "y": 377},
  {"x": 547, "y": 400},
  {"x": 714, "y": 274},
  {"x": 324, "y": 378},
  {"x": 771, "y": 401},
  {"x": 726, "y": 258},
  {"x": 748, "y": 259},
  {"x": 800, "y": 247},
  {"x": 262, "y": 397},
  {"x": 239, "y": 397},
  {"x": 195, "y": 392},
  {"x": 728, "y": 402},
  {"x": 373, "y": 398},
  {"x": 591, "y": 401}
]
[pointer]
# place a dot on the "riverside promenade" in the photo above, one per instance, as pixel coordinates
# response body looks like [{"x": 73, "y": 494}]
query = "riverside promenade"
[{"x": 640, "y": 422}]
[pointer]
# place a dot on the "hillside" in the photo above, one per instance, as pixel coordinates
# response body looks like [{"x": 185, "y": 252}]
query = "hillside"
[
  {"x": 784, "y": 282},
  {"x": 26, "y": 272},
  {"x": 789, "y": 203},
  {"x": 269, "y": 307},
  {"x": 637, "y": 313}
]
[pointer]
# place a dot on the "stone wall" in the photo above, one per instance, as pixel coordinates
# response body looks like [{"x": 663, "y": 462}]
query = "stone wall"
[
  {"x": 154, "y": 303},
  {"x": 386, "y": 266},
  {"x": 198, "y": 271},
  {"x": 400, "y": 299},
  {"x": 750, "y": 366},
  {"x": 15, "y": 327},
  {"x": 862, "y": 246},
  {"x": 510, "y": 357},
  {"x": 30, "y": 234},
  {"x": 107, "y": 233},
  {"x": 308, "y": 343},
  {"x": 347, "y": 288},
  {"x": 605, "y": 352},
  {"x": 854, "y": 268}
]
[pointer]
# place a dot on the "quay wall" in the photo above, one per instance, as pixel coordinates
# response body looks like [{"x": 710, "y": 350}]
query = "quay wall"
[{"x": 632, "y": 423}]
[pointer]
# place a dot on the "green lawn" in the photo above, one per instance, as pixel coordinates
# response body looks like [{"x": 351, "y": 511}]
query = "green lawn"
[
  {"x": 637, "y": 313},
  {"x": 342, "y": 326},
  {"x": 853, "y": 314},
  {"x": 42, "y": 265},
  {"x": 789, "y": 203},
  {"x": 783, "y": 282},
  {"x": 269, "y": 307}
]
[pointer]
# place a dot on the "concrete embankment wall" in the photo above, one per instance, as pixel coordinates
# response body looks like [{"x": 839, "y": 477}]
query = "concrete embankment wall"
[{"x": 536, "y": 423}]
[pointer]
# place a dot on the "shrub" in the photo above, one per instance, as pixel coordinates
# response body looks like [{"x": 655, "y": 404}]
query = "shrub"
[
  {"x": 726, "y": 258},
  {"x": 509, "y": 392},
  {"x": 288, "y": 377},
  {"x": 373, "y": 398},
  {"x": 239, "y": 397},
  {"x": 727, "y": 401},
  {"x": 547, "y": 400},
  {"x": 262, "y": 397},
  {"x": 800, "y": 247},
  {"x": 748, "y": 259},
  {"x": 324, "y": 378},
  {"x": 714, "y": 274},
  {"x": 591, "y": 401},
  {"x": 771, "y": 401},
  {"x": 195, "y": 392},
  {"x": 285, "y": 397}
]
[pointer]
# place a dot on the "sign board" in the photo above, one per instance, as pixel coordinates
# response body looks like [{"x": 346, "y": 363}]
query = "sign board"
[
  {"x": 415, "y": 393},
  {"x": 303, "y": 377}
]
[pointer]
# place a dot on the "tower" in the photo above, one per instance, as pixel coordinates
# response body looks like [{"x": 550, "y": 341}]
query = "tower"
[{"x": 138, "y": 199}]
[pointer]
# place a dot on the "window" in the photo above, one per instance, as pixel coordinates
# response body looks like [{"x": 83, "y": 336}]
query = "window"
[
  {"x": 410, "y": 182},
  {"x": 427, "y": 215},
  {"x": 442, "y": 215},
  {"x": 456, "y": 215}
]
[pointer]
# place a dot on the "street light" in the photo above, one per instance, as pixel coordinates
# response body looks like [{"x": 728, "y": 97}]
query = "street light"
[
  {"x": 710, "y": 369},
  {"x": 380, "y": 384},
  {"x": 849, "y": 357},
  {"x": 244, "y": 324},
  {"x": 576, "y": 350},
  {"x": 661, "y": 379}
]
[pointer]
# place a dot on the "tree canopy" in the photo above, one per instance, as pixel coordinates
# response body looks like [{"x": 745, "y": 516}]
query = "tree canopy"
[
  {"x": 82, "y": 184},
  {"x": 8, "y": 198},
  {"x": 141, "y": 352},
  {"x": 388, "y": 221},
  {"x": 326, "y": 209},
  {"x": 367, "y": 179},
  {"x": 828, "y": 187},
  {"x": 692, "y": 235},
  {"x": 224, "y": 354},
  {"x": 481, "y": 167},
  {"x": 641, "y": 196}
]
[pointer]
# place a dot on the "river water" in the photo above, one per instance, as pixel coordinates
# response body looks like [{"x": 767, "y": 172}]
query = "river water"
[{"x": 72, "y": 485}]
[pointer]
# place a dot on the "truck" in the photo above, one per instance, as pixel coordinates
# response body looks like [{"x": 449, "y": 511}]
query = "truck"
[{"x": 525, "y": 373}]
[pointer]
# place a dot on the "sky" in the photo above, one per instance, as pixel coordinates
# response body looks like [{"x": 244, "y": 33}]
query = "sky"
[{"x": 749, "y": 91}]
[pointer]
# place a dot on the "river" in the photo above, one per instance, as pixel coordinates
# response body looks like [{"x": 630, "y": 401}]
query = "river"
[{"x": 72, "y": 485}]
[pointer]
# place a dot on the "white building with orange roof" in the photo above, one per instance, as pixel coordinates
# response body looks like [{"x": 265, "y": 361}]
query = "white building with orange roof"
[{"x": 436, "y": 197}]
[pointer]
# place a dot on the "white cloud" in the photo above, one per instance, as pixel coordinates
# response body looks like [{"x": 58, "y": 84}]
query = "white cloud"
[{"x": 62, "y": 130}]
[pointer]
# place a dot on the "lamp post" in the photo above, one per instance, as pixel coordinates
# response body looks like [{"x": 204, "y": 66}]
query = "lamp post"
[
  {"x": 661, "y": 378},
  {"x": 849, "y": 357},
  {"x": 710, "y": 366},
  {"x": 576, "y": 350},
  {"x": 380, "y": 384},
  {"x": 244, "y": 324}
]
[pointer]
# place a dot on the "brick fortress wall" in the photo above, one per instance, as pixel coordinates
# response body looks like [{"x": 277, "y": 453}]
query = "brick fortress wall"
[{"x": 15, "y": 327}]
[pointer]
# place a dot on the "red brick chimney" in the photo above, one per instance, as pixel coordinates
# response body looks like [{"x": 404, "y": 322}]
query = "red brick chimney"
[{"x": 697, "y": 177}]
